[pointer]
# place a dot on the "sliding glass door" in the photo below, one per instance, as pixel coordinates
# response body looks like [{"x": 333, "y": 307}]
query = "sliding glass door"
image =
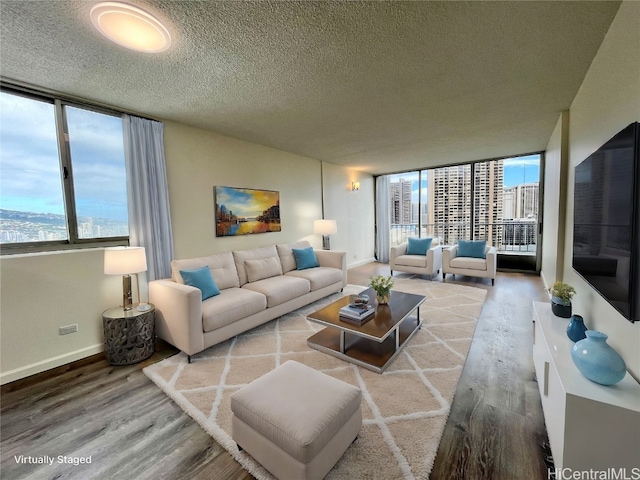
[{"x": 495, "y": 200}]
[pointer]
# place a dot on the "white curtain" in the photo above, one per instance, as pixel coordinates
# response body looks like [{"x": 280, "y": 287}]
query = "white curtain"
[
  {"x": 383, "y": 218},
  {"x": 147, "y": 194}
]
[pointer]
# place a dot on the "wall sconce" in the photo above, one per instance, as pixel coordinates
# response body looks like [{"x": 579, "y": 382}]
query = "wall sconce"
[{"x": 355, "y": 186}]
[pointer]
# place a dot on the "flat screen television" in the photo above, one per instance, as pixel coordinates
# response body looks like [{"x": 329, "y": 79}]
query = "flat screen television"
[{"x": 606, "y": 215}]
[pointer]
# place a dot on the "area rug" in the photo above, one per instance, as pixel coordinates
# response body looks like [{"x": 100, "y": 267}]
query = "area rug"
[{"x": 404, "y": 409}]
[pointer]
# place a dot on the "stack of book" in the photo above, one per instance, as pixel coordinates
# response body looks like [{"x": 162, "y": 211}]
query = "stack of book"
[{"x": 356, "y": 314}]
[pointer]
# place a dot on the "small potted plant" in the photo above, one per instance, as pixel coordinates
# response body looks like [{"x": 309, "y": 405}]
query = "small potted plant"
[
  {"x": 561, "y": 295},
  {"x": 382, "y": 286}
]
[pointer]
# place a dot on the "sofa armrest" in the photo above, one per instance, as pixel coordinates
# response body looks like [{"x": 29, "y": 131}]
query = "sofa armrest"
[
  {"x": 178, "y": 314},
  {"x": 330, "y": 258},
  {"x": 449, "y": 254},
  {"x": 434, "y": 259},
  {"x": 492, "y": 260},
  {"x": 396, "y": 251}
]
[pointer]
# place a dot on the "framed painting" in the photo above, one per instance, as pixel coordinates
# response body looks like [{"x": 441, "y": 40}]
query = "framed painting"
[{"x": 243, "y": 211}]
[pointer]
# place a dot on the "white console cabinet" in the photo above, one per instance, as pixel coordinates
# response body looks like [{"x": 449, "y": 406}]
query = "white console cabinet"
[{"x": 590, "y": 426}]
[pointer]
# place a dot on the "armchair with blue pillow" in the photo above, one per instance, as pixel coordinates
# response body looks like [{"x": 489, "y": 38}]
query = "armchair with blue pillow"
[
  {"x": 422, "y": 256},
  {"x": 473, "y": 258}
]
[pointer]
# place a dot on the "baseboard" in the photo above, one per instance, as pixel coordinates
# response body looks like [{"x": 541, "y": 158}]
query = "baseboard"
[
  {"x": 361, "y": 262},
  {"x": 48, "y": 364}
]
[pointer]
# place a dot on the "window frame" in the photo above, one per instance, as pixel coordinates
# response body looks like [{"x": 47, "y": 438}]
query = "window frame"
[{"x": 73, "y": 242}]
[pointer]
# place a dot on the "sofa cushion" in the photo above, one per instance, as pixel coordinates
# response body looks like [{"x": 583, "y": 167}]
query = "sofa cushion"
[
  {"x": 412, "y": 260},
  {"x": 469, "y": 263},
  {"x": 222, "y": 266},
  {"x": 472, "y": 248},
  {"x": 418, "y": 246},
  {"x": 305, "y": 258},
  {"x": 262, "y": 268},
  {"x": 231, "y": 305},
  {"x": 201, "y": 278},
  {"x": 318, "y": 277},
  {"x": 279, "y": 289},
  {"x": 285, "y": 252},
  {"x": 241, "y": 256}
]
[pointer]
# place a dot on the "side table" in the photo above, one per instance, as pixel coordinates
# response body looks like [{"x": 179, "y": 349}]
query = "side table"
[{"x": 129, "y": 335}]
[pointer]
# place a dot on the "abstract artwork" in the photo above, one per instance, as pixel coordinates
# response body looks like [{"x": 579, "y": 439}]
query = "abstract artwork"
[{"x": 241, "y": 211}]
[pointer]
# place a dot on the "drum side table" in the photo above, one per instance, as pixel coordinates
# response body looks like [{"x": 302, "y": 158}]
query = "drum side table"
[{"x": 129, "y": 335}]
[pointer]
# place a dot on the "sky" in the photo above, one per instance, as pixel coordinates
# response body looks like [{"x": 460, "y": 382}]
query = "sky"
[
  {"x": 521, "y": 170},
  {"x": 30, "y": 178}
]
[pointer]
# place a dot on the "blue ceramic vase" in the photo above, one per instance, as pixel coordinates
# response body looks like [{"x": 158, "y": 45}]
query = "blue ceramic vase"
[
  {"x": 576, "y": 330},
  {"x": 597, "y": 361}
]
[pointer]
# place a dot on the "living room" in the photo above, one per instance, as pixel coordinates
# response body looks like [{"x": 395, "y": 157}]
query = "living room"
[{"x": 44, "y": 291}]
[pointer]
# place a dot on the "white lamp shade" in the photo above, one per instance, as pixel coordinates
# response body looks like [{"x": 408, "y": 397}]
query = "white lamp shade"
[
  {"x": 124, "y": 260},
  {"x": 325, "y": 227}
]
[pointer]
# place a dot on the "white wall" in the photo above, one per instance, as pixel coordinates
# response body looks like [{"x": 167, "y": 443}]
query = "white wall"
[
  {"x": 553, "y": 221},
  {"x": 354, "y": 212},
  {"x": 608, "y": 100},
  {"x": 40, "y": 293},
  {"x": 197, "y": 160}
]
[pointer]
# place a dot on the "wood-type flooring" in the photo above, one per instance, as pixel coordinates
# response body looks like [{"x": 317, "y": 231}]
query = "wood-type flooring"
[{"x": 131, "y": 430}]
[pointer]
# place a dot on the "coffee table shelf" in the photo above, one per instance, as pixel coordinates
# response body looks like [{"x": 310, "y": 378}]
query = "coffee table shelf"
[{"x": 377, "y": 342}]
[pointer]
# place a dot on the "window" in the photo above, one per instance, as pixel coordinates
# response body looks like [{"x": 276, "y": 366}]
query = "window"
[
  {"x": 496, "y": 200},
  {"x": 63, "y": 178}
]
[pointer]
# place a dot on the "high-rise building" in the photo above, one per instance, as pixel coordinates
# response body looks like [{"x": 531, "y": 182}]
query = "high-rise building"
[
  {"x": 521, "y": 201},
  {"x": 488, "y": 204},
  {"x": 449, "y": 192},
  {"x": 401, "y": 210}
]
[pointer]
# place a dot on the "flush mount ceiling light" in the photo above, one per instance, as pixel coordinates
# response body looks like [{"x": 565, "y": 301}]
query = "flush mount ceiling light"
[{"x": 130, "y": 27}]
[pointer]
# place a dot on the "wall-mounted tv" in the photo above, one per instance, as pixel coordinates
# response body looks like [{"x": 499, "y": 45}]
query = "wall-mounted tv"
[{"x": 606, "y": 215}]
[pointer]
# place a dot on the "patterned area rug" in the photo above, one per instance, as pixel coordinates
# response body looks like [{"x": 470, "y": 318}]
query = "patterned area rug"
[{"x": 404, "y": 410}]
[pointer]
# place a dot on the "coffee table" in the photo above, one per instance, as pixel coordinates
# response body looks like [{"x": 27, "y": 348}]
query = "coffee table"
[{"x": 374, "y": 344}]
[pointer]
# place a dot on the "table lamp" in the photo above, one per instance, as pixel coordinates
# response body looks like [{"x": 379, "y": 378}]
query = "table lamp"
[
  {"x": 325, "y": 228},
  {"x": 125, "y": 261}
]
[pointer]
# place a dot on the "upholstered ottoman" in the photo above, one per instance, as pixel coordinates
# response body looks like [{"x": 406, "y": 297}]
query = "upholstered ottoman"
[{"x": 295, "y": 421}]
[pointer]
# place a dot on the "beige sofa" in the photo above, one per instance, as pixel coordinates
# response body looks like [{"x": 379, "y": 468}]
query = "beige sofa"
[
  {"x": 429, "y": 264},
  {"x": 255, "y": 286}
]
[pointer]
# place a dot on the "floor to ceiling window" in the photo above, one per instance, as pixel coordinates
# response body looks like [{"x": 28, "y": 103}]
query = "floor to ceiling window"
[{"x": 495, "y": 200}]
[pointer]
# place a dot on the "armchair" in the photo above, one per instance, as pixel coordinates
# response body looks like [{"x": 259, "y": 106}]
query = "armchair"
[
  {"x": 429, "y": 264},
  {"x": 471, "y": 266}
]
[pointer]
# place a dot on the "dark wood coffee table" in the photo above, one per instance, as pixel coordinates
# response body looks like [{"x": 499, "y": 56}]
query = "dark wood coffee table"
[{"x": 374, "y": 344}]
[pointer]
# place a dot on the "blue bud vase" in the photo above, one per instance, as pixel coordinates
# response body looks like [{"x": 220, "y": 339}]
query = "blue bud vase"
[
  {"x": 597, "y": 361},
  {"x": 576, "y": 330}
]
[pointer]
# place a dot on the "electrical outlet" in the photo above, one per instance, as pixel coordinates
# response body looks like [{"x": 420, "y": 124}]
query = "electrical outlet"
[{"x": 68, "y": 329}]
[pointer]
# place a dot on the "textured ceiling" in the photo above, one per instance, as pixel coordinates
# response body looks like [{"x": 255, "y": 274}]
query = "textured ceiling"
[{"x": 377, "y": 86}]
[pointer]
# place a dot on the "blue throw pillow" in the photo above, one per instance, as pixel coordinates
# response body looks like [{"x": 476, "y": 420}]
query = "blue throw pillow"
[
  {"x": 305, "y": 258},
  {"x": 419, "y": 246},
  {"x": 472, "y": 248},
  {"x": 201, "y": 278}
]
